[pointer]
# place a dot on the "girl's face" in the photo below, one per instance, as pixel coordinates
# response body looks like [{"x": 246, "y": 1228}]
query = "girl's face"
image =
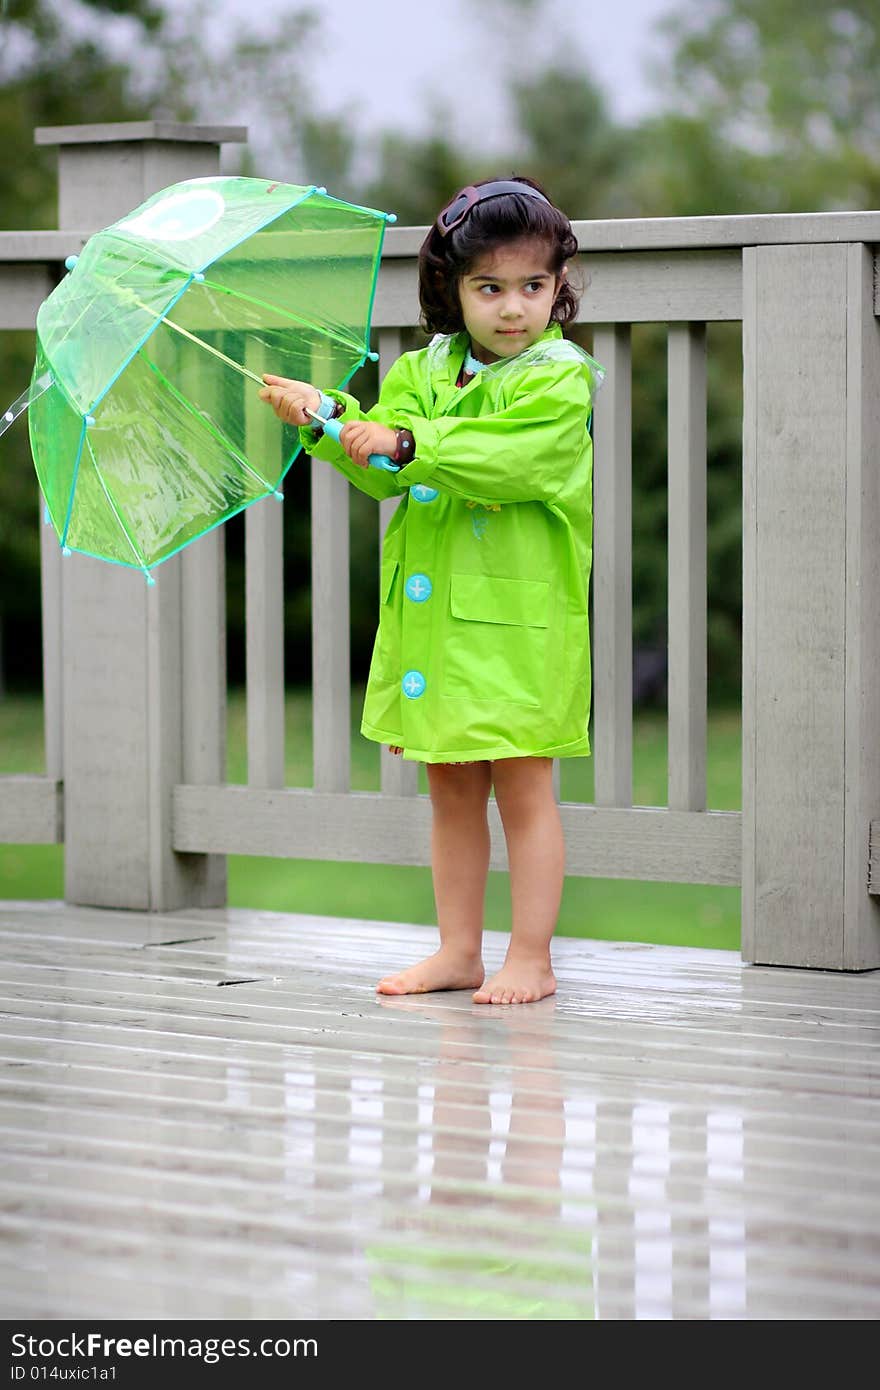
[{"x": 506, "y": 299}]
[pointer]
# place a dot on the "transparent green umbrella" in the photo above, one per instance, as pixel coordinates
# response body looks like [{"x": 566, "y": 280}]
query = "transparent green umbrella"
[{"x": 145, "y": 424}]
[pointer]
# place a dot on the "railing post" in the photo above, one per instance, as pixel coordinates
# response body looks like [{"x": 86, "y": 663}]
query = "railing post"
[
  {"x": 811, "y": 596},
  {"x": 123, "y": 643}
]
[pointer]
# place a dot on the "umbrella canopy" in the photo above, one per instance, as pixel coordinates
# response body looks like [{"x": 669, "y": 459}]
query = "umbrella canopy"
[{"x": 145, "y": 425}]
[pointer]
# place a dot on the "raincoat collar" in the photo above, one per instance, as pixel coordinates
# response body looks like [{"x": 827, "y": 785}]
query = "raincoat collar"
[{"x": 447, "y": 352}]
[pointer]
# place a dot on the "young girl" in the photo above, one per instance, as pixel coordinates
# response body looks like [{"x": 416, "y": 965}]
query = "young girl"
[{"x": 481, "y": 663}]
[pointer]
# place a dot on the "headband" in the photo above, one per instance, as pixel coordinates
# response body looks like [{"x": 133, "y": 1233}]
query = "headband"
[{"x": 456, "y": 211}]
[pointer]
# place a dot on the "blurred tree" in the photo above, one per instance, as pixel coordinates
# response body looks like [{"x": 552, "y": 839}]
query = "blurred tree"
[
  {"x": 570, "y": 144},
  {"x": 788, "y": 91},
  {"x": 417, "y": 176}
]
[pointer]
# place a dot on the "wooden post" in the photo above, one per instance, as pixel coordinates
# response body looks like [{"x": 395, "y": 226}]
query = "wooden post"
[
  {"x": 811, "y": 596},
  {"x": 123, "y": 643}
]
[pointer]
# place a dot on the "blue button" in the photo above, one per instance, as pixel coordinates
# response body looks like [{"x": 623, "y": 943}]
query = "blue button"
[
  {"x": 418, "y": 588},
  {"x": 423, "y": 494},
  {"x": 413, "y": 685}
]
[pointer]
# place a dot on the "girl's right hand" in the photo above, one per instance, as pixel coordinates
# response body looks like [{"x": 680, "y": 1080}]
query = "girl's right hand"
[{"x": 290, "y": 399}]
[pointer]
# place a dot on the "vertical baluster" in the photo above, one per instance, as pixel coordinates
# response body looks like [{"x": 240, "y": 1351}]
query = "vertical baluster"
[
  {"x": 331, "y": 652},
  {"x": 749, "y": 601},
  {"x": 50, "y": 575},
  {"x": 398, "y": 778},
  {"x": 612, "y": 570},
  {"x": 264, "y": 652},
  {"x": 687, "y": 566},
  {"x": 204, "y": 660},
  {"x": 264, "y": 611},
  {"x": 203, "y": 618}
]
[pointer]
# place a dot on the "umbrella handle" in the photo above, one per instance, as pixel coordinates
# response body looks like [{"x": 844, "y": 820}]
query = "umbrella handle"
[{"x": 334, "y": 428}]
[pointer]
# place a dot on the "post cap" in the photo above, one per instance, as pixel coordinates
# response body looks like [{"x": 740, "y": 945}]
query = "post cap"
[{"x": 124, "y": 132}]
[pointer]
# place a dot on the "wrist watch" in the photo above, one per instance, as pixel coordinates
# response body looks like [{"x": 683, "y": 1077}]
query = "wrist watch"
[{"x": 406, "y": 447}]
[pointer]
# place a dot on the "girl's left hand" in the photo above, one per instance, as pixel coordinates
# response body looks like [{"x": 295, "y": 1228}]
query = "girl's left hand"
[{"x": 360, "y": 438}]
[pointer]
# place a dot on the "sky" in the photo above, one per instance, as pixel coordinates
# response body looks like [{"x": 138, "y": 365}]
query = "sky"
[{"x": 454, "y": 51}]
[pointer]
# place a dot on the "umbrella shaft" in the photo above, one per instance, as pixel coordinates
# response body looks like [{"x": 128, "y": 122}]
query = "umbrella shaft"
[{"x": 216, "y": 351}]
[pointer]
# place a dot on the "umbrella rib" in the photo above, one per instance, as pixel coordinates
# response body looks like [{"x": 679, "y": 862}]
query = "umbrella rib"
[
  {"x": 139, "y": 556},
  {"x": 115, "y": 280},
  {"x": 207, "y": 424},
  {"x": 73, "y": 483}
]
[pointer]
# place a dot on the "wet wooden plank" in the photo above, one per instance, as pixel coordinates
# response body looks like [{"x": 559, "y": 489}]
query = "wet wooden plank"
[{"x": 674, "y": 1134}]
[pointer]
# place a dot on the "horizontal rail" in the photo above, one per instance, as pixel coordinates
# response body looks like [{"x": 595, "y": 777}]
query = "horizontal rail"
[
  {"x": 630, "y": 284},
  {"x": 603, "y": 234},
  {"x": 688, "y": 233},
  {"x": 623, "y": 287},
  {"x": 31, "y": 810},
  {"x": 375, "y": 828}
]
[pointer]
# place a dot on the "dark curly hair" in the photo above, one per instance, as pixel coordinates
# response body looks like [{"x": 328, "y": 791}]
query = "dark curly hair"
[{"x": 508, "y": 217}]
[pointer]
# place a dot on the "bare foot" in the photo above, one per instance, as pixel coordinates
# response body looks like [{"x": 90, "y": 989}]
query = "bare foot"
[
  {"x": 518, "y": 982},
  {"x": 445, "y": 970}
]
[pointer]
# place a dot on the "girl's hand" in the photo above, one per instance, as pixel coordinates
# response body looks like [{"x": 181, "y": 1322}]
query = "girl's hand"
[
  {"x": 288, "y": 399},
  {"x": 360, "y": 438}
]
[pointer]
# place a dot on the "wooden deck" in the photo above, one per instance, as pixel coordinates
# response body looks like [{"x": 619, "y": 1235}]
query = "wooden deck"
[{"x": 211, "y": 1115}]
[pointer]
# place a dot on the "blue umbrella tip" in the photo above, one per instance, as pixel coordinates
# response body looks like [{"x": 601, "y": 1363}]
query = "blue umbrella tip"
[
  {"x": 373, "y": 356},
  {"x": 391, "y": 217},
  {"x": 90, "y": 420},
  {"x": 150, "y": 581},
  {"x": 279, "y": 496},
  {"x": 70, "y": 262},
  {"x": 65, "y": 550},
  {"x": 199, "y": 276}
]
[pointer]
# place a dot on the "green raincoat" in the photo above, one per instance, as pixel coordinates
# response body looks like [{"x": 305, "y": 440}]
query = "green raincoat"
[{"x": 483, "y": 646}]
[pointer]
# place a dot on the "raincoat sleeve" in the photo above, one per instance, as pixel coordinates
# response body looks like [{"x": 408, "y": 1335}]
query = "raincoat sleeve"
[
  {"x": 524, "y": 452},
  {"x": 398, "y": 393}
]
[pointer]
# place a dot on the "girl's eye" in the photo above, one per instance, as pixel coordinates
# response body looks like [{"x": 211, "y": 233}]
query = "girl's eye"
[
  {"x": 491, "y": 289},
  {"x": 535, "y": 285}
]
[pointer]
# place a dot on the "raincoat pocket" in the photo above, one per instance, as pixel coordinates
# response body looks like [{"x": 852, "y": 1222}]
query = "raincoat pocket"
[
  {"x": 497, "y": 639},
  {"x": 386, "y": 654},
  {"x": 387, "y": 578}
]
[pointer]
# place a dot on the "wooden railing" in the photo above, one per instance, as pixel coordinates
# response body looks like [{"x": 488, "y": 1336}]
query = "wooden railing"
[{"x": 135, "y": 678}]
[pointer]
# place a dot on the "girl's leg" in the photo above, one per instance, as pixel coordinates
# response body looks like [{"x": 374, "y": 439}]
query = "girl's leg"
[
  {"x": 460, "y": 861},
  {"x": 536, "y": 854}
]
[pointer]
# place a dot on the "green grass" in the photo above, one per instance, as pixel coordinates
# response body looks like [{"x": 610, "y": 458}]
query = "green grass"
[{"x": 610, "y": 909}]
